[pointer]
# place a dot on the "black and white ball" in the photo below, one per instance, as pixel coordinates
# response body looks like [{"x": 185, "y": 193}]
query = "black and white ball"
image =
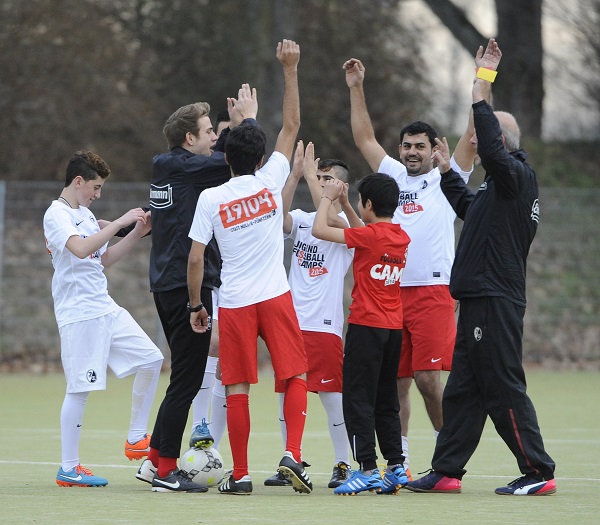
[{"x": 205, "y": 466}]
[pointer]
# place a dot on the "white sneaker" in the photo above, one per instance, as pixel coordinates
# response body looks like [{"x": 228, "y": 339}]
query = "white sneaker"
[{"x": 146, "y": 472}]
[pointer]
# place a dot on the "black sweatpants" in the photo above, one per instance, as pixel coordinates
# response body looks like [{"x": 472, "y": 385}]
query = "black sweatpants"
[
  {"x": 189, "y": 351},
  {"x": 487, "y": 378},
  {"x": 370, "y": 394}
]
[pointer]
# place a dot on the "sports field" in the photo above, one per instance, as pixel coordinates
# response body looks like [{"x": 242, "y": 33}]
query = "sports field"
[{"x": 567, "y": 406}]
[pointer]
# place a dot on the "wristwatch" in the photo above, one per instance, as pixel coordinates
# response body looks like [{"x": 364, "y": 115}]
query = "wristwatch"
[{"x": 194, "y": 308}]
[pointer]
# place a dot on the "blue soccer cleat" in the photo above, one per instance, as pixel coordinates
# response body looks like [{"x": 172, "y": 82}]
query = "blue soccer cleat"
[
  {"x": 201, "y": 437},
  {"x": 394, "y": 478},
  {"x": 360, "y": 482},
  {"x": 79, "y": 477}
]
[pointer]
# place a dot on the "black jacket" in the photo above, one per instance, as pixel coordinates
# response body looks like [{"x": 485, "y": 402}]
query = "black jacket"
[
  {"x": 178, "y": 178},
  {"x": 500, "y": 220}
]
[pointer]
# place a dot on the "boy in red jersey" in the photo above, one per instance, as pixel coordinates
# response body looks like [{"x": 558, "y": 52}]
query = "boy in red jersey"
[{"x": 374, "y": 336}]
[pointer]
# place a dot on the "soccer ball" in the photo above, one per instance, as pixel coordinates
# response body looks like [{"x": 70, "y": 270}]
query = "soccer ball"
[{"x": 205, "y": 466}]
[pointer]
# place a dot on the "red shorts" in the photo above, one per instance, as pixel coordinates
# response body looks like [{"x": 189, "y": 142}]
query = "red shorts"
[
  {"x": 429, "y": 329},
  {"x": 275, "y": 321},
  {"x": 325, "y": 353}
]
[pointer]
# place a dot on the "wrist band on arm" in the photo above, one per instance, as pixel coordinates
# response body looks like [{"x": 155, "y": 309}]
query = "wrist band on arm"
[
  {"x": 486, "y": 74},
  {"x": 326, "y": 197}
]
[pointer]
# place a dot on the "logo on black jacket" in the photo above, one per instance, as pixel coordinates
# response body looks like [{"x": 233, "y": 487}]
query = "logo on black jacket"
[
  {"x": 161, "y": 196},
  {"x": 535, "y": 211}
]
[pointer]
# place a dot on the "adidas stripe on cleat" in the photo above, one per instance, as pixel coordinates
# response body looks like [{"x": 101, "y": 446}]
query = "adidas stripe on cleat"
[
  {"x": 241, "y": 487},
  {"x": 296, "y": 473},
  {"x": 79, "y": 477},
  {"x": 528, "y": 486},
  {"x": 395, "y": 477},
  {"x": 360, "y": 482}
]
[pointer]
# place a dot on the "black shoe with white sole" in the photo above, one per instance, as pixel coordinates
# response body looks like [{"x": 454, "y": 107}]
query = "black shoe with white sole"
[
  {"x": 177, "y": 481},
  {"x": 242, "y": 487},
  {"x": 278, "y": 480}
]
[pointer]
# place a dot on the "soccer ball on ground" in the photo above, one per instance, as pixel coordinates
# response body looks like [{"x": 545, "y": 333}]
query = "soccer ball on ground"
[{"x": 205, "y": 466}]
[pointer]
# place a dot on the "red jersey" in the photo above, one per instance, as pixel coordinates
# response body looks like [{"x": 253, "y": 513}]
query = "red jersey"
[{"x": 379, "y": 259}]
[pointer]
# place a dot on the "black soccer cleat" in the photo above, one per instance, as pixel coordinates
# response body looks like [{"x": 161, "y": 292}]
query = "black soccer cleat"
[{"x": 295, "y": 473}]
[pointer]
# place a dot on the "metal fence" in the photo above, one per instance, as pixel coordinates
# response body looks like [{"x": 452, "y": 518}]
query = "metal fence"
[{"x": 562, "y": 322}]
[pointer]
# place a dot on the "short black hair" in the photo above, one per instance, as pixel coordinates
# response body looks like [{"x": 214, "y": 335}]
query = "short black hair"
[
  {"x": 222, "y": 116},
  {"x": 418, "y": 127},
  {"x": 245, "y": 147},
  {"x": 382, "y": 191},
  {"x": 341, "y": 168}
]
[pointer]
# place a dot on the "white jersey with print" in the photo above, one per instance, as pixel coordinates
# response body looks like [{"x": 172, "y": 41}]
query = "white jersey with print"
[
  {"x": 79, "y": 286},
  {"x": 424, "y": 213},
  {"x": 246, "y": 217},
  {"x": 317, "y": 272}
]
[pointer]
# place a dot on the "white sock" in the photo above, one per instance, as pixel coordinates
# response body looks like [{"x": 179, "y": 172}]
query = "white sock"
[
  {"x": 201, "y": 403},
  {"x": 71, "y": 419},
  {"x": 282, "y": 426},
  {"x": 332, "y": 403},
  {"x": 405, "y": 451},
  {"x": 218, "y": 412},
  {"x": 142, "y": 397}
]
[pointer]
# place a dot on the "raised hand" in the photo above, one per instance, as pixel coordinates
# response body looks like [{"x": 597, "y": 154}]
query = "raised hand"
[
  {"x": 355, "y": 72},
  {"x": 245, "y": 106},
  {"x": 310, "y": 164},
  {"x": 490, "y": 58},
  {"x": 333, "y": 189},
  {"x": 344, "y": 195},
  {"x": 297, "y": 166},
  {"x": 441, "y": 155},
  {"x": 288, "y": 53}
]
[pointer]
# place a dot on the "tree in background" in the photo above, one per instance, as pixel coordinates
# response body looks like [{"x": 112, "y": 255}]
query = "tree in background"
[
  {"x": 206, "y": 49},
  {"x": 586, "y": 26},
  {"x": 520, "y": 87},
  {"x": 68, "y": 82},
  {"x": 105, "y": 74}
]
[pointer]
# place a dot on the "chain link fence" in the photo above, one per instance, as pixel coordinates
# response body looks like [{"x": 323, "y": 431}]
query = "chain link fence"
[{"x": 562, "y": 327}]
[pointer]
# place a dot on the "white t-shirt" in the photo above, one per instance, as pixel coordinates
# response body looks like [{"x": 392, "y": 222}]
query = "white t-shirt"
[
  {"x": 317, "y": 272},
  {"x": 424, "y": 213},
  {"x": 79, "y": 286},
  {"x": 246, "y": 217}
]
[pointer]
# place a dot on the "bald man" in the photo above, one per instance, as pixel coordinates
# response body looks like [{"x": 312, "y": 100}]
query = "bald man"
[{"x": 488, "y": 278}]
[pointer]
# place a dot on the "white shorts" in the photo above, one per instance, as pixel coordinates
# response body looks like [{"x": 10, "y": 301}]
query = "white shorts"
[
  {"x": 115, "y": 339},
  {"x": 215, "y": 300}
]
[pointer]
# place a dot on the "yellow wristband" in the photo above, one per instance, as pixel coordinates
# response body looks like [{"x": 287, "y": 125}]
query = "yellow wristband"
[{"x": 486, "y": 74}]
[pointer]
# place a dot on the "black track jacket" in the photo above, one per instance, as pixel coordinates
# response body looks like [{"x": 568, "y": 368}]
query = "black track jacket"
[
  {"x": 178, "y": 178},
  {"x": 500, "y": 220}
]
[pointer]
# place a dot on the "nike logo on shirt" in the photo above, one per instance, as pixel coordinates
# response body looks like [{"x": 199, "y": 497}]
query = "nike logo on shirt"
[
  {"x": 326, "y": 381},
  {"x": 78, "y": 223},
  {"x": 303, "y": 227},
  {"x": 436, "y": 360}
]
